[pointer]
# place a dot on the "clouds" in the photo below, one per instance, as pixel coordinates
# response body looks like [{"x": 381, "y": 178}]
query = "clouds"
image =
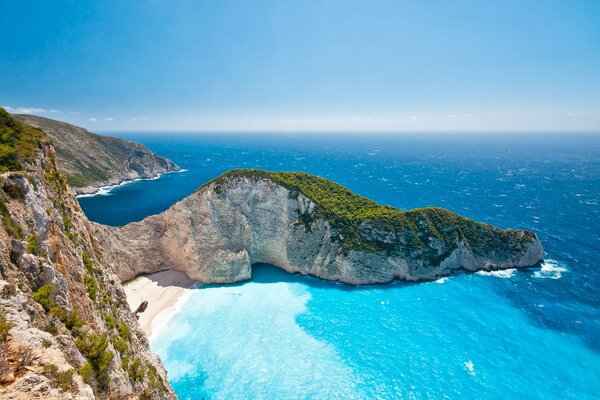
[{"x": 29, "y": 110}]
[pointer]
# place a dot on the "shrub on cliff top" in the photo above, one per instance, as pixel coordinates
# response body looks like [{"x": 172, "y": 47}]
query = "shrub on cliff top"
[
  {"x": 353, "y": 216},
  {"x": 18, "y": 142}
]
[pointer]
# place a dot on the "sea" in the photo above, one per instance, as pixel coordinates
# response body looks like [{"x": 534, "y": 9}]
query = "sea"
[{"x": 516, "y": 334}]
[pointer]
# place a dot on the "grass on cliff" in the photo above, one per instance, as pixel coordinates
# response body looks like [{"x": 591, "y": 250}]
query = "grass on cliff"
[
  {"x": 18, "y": 142},
  {"x": 360, "y": 221}
]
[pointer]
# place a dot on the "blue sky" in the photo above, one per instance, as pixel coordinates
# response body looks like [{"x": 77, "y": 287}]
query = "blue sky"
[{"x": 304, "y": 65}]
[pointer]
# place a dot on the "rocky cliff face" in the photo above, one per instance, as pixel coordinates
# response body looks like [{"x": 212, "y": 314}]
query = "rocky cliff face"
[
  {"x": 91, "y": 161},
  {"x": 309, "y": 225},
  {"x": 66, "y": 331}
]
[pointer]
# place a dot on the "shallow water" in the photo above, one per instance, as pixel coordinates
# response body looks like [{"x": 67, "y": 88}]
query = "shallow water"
[{"x": 520, "y": 334}]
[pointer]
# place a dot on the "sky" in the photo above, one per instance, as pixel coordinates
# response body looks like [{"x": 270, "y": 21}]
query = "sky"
[{"x": 304, "y": 65}]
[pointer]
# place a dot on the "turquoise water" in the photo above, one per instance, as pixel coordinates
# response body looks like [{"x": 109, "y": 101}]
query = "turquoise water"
[{"x": 530, "y": 334}]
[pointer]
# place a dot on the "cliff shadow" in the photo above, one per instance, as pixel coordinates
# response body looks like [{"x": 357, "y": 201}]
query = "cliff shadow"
[{"x": 267, "y": 273}]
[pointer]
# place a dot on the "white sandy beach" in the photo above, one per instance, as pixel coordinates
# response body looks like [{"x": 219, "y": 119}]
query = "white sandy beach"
[{"x": 161, "y": 290}]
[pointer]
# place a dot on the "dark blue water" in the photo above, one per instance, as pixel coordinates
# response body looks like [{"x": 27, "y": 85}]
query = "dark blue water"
[{"x": 526, "y": 334}]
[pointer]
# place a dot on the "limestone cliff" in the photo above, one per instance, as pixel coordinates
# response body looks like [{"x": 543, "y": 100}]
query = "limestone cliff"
[
  {"x": 91, "y": 161},
  {"x": 307, "y": 224},
  {"x": 66, "y": 331}
]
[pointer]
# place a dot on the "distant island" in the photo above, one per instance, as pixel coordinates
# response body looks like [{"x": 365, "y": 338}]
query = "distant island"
[{"x": 66, "y": 330}]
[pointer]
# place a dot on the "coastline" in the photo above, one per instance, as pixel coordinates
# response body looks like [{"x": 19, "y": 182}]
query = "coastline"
[
  {"x": 163, "y": 291},
  {"x": 105, "y": 190}
]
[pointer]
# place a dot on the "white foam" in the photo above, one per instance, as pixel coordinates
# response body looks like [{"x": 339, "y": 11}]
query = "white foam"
[
  {"x": 106, "y": 190},
  {"x": 551, "y": 269},
  {"x": 470, "y": 367},
  {"x": 442, "y": 280},
  {"x": 503, "y": 273},
  {"x": 161, "y": 321}
]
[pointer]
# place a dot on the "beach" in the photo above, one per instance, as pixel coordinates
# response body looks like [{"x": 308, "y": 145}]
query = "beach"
[{"x": 161, "y": 290}]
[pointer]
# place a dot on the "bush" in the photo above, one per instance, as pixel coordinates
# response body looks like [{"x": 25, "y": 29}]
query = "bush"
[
  {"x": 94, "y": 349},
  {"x": 154, "y": 379},
  {"x": 8, "y": 291},
  {"x": 63, "y": 380},
  {"x": 44, "y": 296},
  {"x": 51, "y": 328},
  {"x": 120, "y": 345},
  {"x": 86, "y": 372},
  {"x": 5, "y": 326},
  {"x": 136, "y": 370},
  {"x": 33, "y": 245},
  {"x": 12, "y": 227},
  {"x": 18, "y": 142},
  {"x": 73, "y": 321},
  {"x": 92, "y": 286},
  {"x": 88, "y": 263}
]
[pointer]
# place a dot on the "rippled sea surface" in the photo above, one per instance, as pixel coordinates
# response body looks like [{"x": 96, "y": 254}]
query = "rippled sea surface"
[{"x": 532, "y": 334}]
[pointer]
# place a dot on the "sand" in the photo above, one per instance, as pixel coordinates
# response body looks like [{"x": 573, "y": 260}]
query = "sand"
[{"x": 161, "y": 290}]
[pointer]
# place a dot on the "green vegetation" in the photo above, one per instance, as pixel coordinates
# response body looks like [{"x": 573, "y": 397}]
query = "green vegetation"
[
  {"x": 154, "y": 380},
  {"x": 94, "y": 349},
  {"x": 5, "y": 326},
  {"x": 12, "y": 227},
  {"x": 18, "y": 142},
  {"x": 12, "y": 189},
  {"x": 360, "y": 222},
  {"x": 33, "y": 245},
  {"x": 8, "y": 291},
  {"x": 87, "y": 372},
  {"x": 92, "y": 286},
  {"x": 44, "y": 296},
  {"x": 88, "y": 263},
  {"x": 51, "y": 328},
  {"x": 63, "y": 380},
  {"x": 136, "y": 370}
]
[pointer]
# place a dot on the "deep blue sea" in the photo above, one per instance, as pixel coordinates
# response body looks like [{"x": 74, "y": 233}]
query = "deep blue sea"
[{"x": 527, "y": 334}]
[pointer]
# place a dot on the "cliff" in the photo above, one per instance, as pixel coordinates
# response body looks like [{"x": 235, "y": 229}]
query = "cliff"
[
  {"x": 306, "y": 224},
  {"x": 91, "y": 161},
  {"x": 66, "y": 331}
]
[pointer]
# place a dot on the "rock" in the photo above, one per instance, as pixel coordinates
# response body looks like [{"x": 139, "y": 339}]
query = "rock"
[
  {"x": 247, "y": 217},
  {"x": 91, "y": 161},
  {"x": 8, "y": 378},
  {"x": 45, "y": 239}
]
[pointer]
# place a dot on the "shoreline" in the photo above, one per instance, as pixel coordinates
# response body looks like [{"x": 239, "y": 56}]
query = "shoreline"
[
  {"x": 105, "y": 190},
  {"x": 163, "y": 291}
]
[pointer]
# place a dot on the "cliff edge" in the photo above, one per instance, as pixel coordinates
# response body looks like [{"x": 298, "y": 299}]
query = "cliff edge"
[
  {"x": 309, "y": 225},
  {"x": 91, "y": 161},
  {"x": 66, "y": 331}
]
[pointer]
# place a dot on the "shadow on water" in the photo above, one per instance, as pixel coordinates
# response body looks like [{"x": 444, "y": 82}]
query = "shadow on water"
[{"x": 267, "y": 273}]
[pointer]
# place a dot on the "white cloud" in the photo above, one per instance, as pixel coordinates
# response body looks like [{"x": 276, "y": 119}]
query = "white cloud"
[
  {"x": 451, "y": 115},
  {"x": 25, "y": 110},
  {"x": 110, "y": 119},
  {"x": 468, "y": 115},
  {"x": 138, "y": 118},
  {"x": 54, "y": 111},
  {"x": 93, "y": 119},
  {"x": 413, "y": 117}
]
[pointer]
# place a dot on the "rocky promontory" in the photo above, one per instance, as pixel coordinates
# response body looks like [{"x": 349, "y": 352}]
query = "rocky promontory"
[
  {"x": 91, "y": 161},
  {"x": 309, "y": 225}
]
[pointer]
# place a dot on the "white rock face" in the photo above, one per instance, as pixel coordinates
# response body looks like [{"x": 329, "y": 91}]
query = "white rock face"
[{"x": 217, "y": 233}]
